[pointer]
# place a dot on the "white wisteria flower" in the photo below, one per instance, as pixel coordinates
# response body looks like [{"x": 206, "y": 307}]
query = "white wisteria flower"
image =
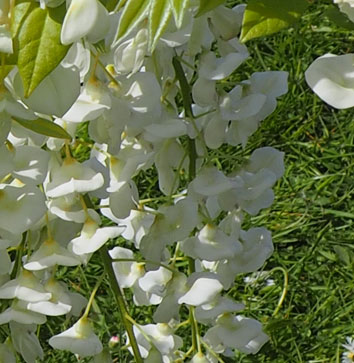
[
  {"x": 18, "y": 312},
  {"x": 200, "y": 358},
  {"x": 79, "y": 339},
  {"x": 331, "y": 77},
  {"x": 68, "y": 208},
  {"x": 72, "y": 177},
  {"x": 236, "y": 332},
  {"x": 207, "y": 313},
  {"x": 137, "y": 225},
  {"x": 20, "y": 207},
  {"x": 30, "y": 164},
  {"x": 49, "y": 254},
  {"x": 59, "y": 303},
  {"x": 169, "y": 306},
  {"x": 211, "y": 244},
  {"x": 173, "y": 223},
  {"x": 204, "y": 287},
  {"x": 55, "y": 94},
  {"x": 129, "y": 56},
  {"x": 94, "y": 99},
  {"x": 25, "y": 287},
  {"x": 6, "y": 353},
  {"x": 84, "y": 18},
  {"x": 154, "y": 282},
  {"x": 161, "y": 338},
  {"x": 92, "y": 237},
  {"x": 126, "y": 272},
  {"x": 26, "y": 342}
]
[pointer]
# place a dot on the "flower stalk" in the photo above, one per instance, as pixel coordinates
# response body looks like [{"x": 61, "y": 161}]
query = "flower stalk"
[{"x": 107, "y": 261}]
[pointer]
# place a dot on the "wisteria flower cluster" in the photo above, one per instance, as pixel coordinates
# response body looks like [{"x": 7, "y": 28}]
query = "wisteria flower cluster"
[{"x": 151, "y": 97}]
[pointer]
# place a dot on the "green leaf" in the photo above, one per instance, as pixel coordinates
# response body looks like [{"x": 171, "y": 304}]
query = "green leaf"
[
  {"x": 207, "y": 5},
  {"x": 159, "y": 16},
  {"x": 178, "y": 9},
  {"x": 133, "y": 13},
  {"x": 264, "y": 17},
  {"x": 40, "y": 50},
  {"x": 44, "y": 127},
  {"x": 21, "y": 10},
  {"x": 338, "y": 18},
  {"x": 329, "y": 255},
  {"x": 343, "y": 254}
]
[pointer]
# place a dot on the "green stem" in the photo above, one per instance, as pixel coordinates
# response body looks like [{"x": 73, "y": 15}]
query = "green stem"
[
  {"x": 187, "y": 104},
  {"x": 19, "y": 255},
  {"x": 121, "y": 303},
  {"x": 211, "y": 351},
  {"x": 92, "y": 296},
  {"x": 285, "y": 288},
  {"x": 192, "y": 159},
  {"x": 185, "y": 89}
]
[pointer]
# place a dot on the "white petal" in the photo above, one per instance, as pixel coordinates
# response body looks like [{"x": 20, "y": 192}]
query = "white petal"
[
  {"x": 6, "y": 160},
  {"x": 167, "y": 129},
  {"x": 155, "y": 281},
  {"x": 214, "y": 133},
  {"x": 121, "y": 200},
  {"x": 272, "y": 83},
  {"x": 82, "y": 244},
  {"x": 30, "y": 164},
  {"x": 20, "y": 208},
  {"x": 129, "y": 56},
  {"x": 213, "y": 68},
  {"x": 204, "y": 92},
  {"x": 5, "y": 39},
  {"x": 126, "y": 272},
  {"x": 268, "y": 158},
  {"x": 331, "y": 77},
  {"x": 19, "y": 313},
  {"x": 25, "y": 287},
  {"x": 56, "y": 93},
  {"x": 101, "y": 26},
  {"x": 49, "y": 308},
  {"x": 210, "y": 181},
  {"x": 79, "y": 339},
  {"x": 6, "y": 354},
  {"x": 73, "y": 177},
  {"x": 26, "y": 342},
  {"x": 80, "y": 19},
  {"x": 203, "y": 291},
  {"x": 92, "y": 102},
  {"x": 50, "y": 253},
  {"x": 211, "y": 244}
]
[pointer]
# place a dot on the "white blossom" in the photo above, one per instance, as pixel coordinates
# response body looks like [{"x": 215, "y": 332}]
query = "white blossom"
[{"x": 79, "y": 339}]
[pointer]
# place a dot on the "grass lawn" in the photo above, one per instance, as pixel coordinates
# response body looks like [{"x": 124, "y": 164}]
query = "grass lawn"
[
  {"x": 312, "y": 216},
  {"x": 311, "y": 219}
]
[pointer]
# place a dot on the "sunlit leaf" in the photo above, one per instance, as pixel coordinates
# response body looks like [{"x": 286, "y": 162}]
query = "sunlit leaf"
[
  {"x": 264, "y": 17},
  {"x": 178, "y": 9},
  {"x": 338, "y": 18},
  {"x": 207, "y": 5},
  {"x": 40, "y": 50},
  {"x": 133, "y": 13},
  {"x": 44, "y": 127},
  {"x": 159, "y": 15}
]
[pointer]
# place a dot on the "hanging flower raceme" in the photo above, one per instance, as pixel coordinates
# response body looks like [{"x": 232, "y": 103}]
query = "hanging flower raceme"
[{"x": 131, "y": 177}]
